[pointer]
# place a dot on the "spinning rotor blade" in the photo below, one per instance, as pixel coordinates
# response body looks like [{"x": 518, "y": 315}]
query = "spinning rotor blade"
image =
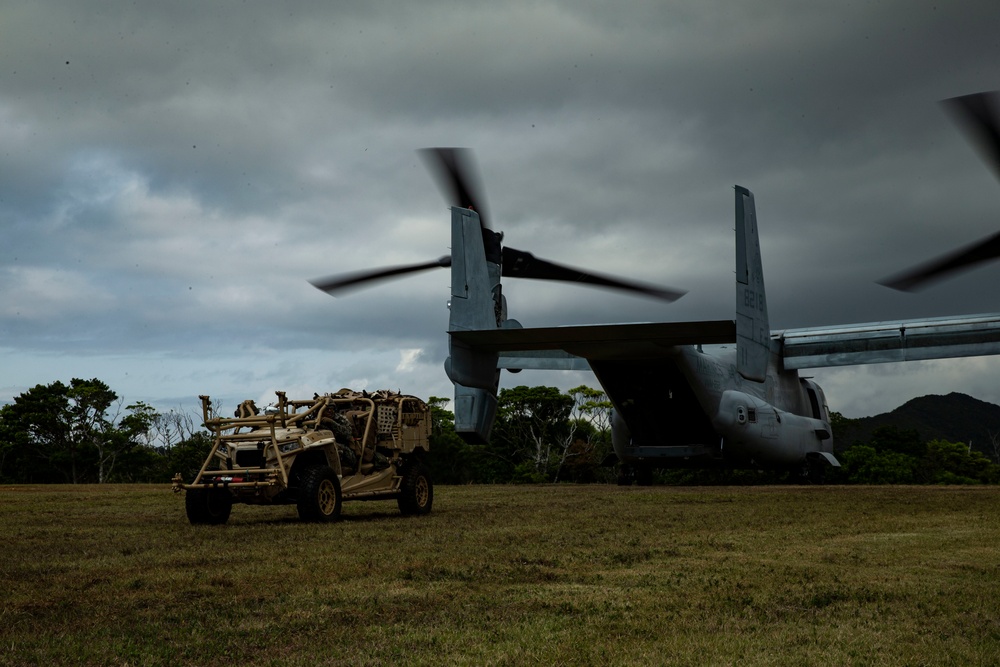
[
  {"x": 347, "y": 282},
  {"x": 455, "y": 171},
  {"x": 977, "y": 114},
  {"x": 921, "y": 276},
  {"x": 521, "y": 264}
]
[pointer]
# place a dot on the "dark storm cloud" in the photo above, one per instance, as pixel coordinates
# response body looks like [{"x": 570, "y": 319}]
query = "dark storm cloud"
[{"x": 172, "y": 174}]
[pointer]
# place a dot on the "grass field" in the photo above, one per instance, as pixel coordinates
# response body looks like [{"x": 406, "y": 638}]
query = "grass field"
[{"x": 508, "y": 575}]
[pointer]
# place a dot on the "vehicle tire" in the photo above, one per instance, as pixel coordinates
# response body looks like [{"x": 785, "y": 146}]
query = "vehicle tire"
[
  {"x": 319, "y": 497},
  {"x": 416, "y": 493},
  {"x": 208, "y": 506}
]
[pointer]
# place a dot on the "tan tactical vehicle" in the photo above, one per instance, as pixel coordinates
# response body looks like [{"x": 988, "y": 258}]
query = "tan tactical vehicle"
[{"x": 314, "y": 453}]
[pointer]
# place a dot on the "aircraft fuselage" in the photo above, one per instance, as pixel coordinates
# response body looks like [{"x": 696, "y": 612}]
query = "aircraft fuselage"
[{"x": 694, "y": 408}]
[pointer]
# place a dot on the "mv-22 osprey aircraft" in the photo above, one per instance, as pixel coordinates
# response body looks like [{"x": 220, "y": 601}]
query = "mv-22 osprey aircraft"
[{"x": 680, "y": 398}]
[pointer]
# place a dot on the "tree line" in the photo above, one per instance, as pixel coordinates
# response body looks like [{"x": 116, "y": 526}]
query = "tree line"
[{"x": 83, "y": 432}]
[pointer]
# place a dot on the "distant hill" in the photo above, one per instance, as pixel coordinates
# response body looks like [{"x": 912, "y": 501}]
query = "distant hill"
[{"x": 955, "y": 418}]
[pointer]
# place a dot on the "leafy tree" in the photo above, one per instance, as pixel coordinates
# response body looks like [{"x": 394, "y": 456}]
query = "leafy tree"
[
  {"x": 532, "y": 424},
  {"x": 451, "y": 460},
  {"x": 187, "y": 456},
  {"x": 11, "y": 456},
  {"x": 901, "y": 440},
  {"x": 864, "y": 464},
  {"x": 93, "y": 429},
  {"x": 74, "y": 433},
  {"x": 839, "y": 421},
  {"x": 955, "y": 463},
  {"x": 133, "y": 456},
  {"x": 38, "y": 433},
  {"x": 899, "y": 456},
  {"x": 590, "y": 432},
  {"x": 892, "y": 456}
]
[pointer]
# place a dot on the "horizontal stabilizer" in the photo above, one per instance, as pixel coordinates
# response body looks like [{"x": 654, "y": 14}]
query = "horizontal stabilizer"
[{"x": 603, "y": 341}]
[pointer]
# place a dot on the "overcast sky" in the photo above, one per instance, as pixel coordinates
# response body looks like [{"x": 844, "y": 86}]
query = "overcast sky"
[{"x": 172, "y": 174}]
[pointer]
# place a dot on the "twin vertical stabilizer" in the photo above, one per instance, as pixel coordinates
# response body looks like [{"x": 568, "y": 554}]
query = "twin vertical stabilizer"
[
  {"x": 475, "y": 284},
  {"x": 753, "y": 331}
]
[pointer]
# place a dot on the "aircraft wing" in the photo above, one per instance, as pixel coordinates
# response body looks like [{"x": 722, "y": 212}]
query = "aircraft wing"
[
  {"x": 882, "y": 342},
  {"x": 568, "y": 348}
]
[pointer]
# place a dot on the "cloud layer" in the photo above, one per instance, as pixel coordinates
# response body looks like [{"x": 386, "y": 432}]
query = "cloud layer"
[{"x": 171, "y": 176}]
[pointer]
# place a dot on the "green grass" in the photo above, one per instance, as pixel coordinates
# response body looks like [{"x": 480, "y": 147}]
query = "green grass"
[{"x": 508, "y": 575}]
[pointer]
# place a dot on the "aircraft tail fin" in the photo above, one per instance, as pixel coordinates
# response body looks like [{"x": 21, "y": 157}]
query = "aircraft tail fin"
[
  {"x": 753, "y": 331},
  {"x": 476, "y": 303}
]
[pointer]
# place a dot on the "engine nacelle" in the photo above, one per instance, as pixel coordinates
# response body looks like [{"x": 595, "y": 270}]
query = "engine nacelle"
[
  {"x": 472, "y": 368},
  {"x": 475, "y": 411}
]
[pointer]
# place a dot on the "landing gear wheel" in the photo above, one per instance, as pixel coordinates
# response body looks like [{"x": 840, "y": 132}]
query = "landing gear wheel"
[
  {"x": 319, "y": 496},
  {"x": 626, "y": 475},
  {"x": 416, "y": 493},
  {"x": 208, "y": 506}
]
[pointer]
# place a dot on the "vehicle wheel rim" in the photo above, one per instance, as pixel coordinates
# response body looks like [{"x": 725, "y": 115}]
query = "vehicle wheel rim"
[
  {"x": 327, "y": 497},
  {"x": 422, "y": 491}
]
